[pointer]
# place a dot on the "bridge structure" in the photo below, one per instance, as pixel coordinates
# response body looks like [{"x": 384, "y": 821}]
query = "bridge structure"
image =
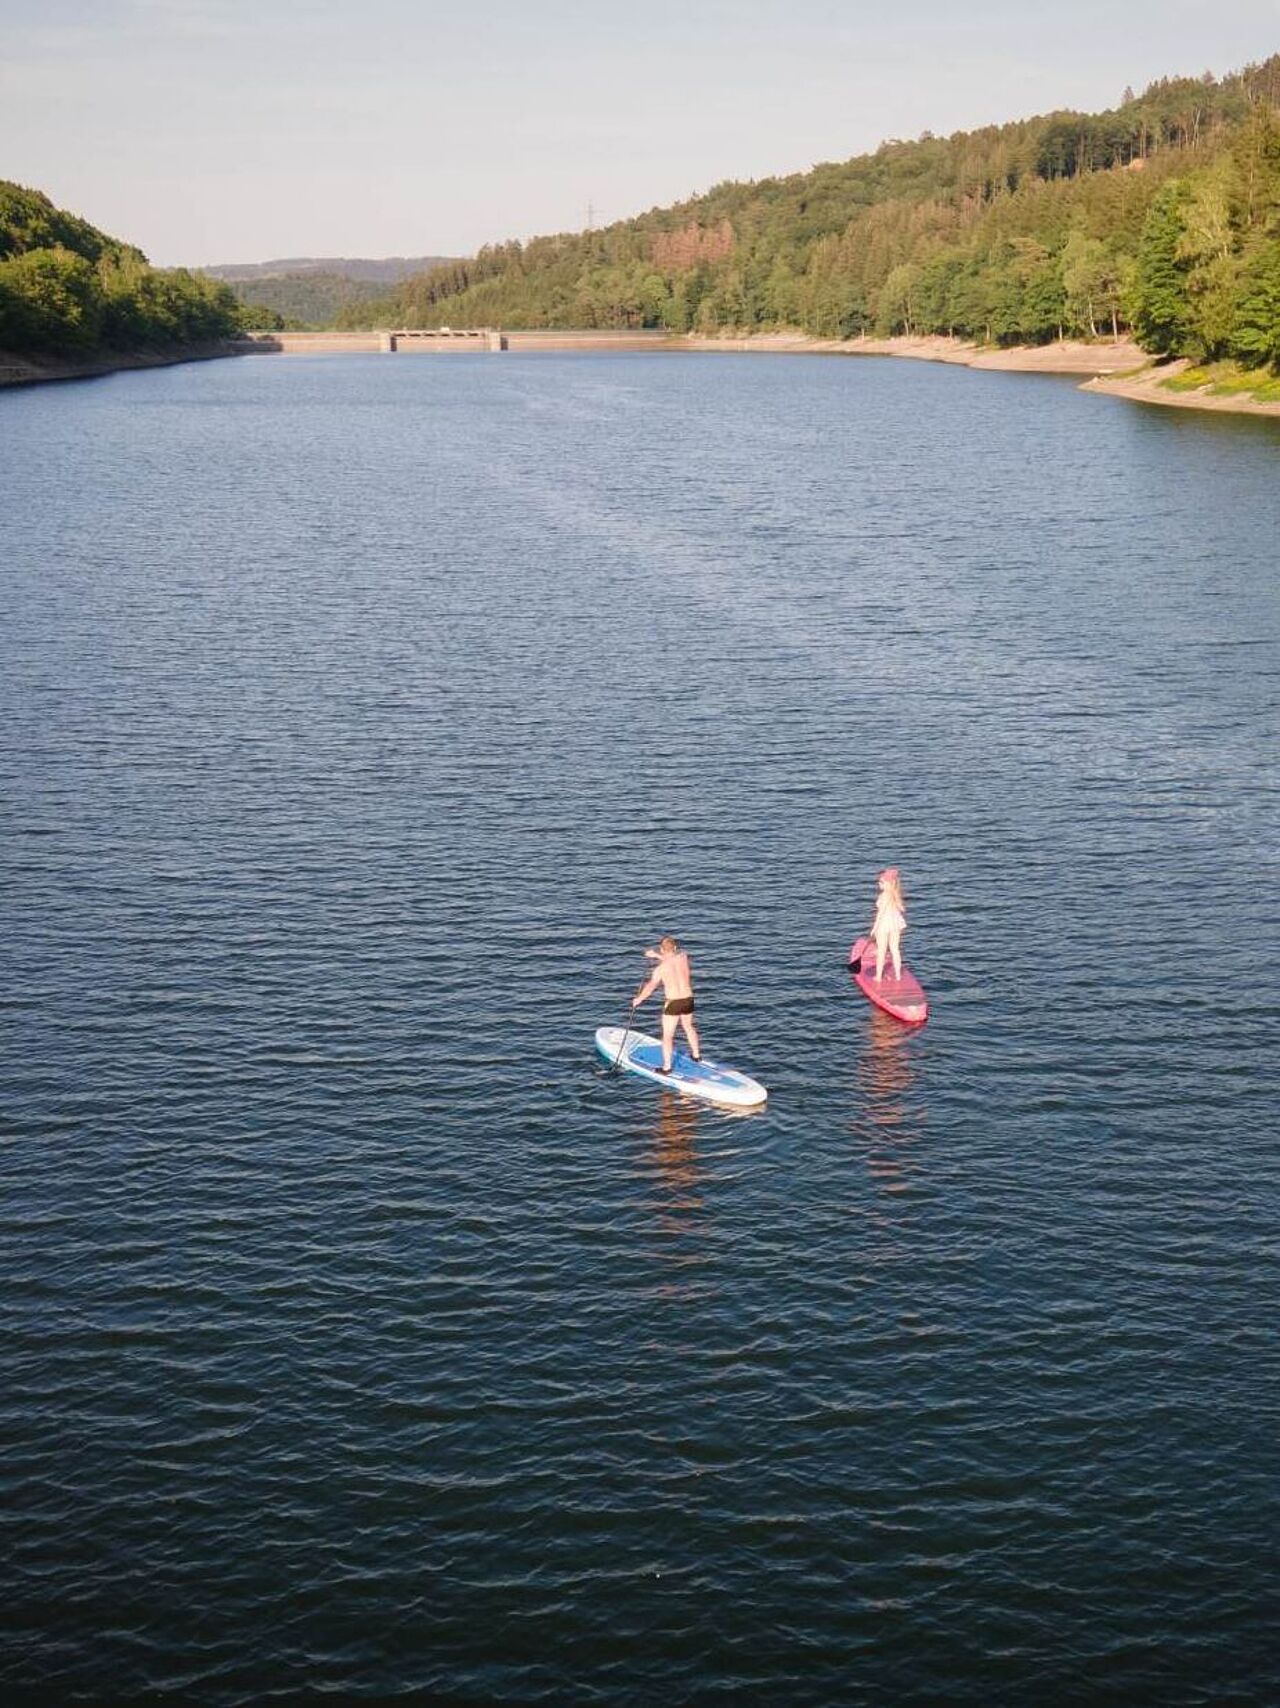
[
  {"x": 444, "y": 337},
  {"x": 388, "y": 341}
]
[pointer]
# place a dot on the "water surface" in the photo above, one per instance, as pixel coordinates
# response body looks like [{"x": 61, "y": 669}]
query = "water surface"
[{"x": 360, "y": 721}]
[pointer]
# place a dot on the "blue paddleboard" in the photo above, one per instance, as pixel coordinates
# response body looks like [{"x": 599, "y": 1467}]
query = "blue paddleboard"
[{"x": 707, "y": 1080}]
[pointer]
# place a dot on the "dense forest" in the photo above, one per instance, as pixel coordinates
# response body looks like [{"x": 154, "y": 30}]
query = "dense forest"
[
  {"x": 67, "y": 289},
  {"x": 1161, "y": 217}
]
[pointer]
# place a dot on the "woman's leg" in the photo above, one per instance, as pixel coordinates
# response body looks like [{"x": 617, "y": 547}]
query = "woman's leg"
[
  {"x": 895, "y": 949},
  {"x": 879, "y": 942},
  {"x": 691, "y": 1033}
]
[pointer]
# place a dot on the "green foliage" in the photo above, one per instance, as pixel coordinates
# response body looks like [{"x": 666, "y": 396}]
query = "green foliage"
[
  {"x": 1066, "y": 224},
  {"x": 1203, "y": 283},
  {"x": 67, "y": 288},
  {"x": 1158, "y": 308},
  {"x": 256, "y": 317},
  {"x": 29, "y": 220},
  {"x": 48, "y": 301},
  {"x": 1225, "y": 379},
  {"x": 1256, "y": 333},
  {"x": 305, "y": 301}
]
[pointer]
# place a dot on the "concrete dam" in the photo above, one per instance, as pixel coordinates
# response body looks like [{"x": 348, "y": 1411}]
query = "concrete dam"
[{"x": 447, "y": 341}]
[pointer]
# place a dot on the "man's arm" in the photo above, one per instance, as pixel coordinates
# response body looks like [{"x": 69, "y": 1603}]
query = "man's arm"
[{"x": 647, "y": 988}]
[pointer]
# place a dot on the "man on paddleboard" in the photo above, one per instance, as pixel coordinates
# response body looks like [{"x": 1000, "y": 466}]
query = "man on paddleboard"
[{"x": 673, "y": 974}]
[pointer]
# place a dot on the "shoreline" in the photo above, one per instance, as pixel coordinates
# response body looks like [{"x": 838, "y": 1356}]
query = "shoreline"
[
  {"x": 1068, "y": 356},
  {"x": 37, "y": 370},
  {"x": 1148, "y": 387},
  {"x": 1116, "y": 368}
]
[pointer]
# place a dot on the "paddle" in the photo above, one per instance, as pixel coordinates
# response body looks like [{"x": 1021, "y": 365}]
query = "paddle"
[
  {"x": 626, "y": 1023},
  {"x": 626, "y": 1028}
]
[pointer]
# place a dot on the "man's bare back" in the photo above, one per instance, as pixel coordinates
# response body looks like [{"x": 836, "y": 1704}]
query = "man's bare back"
[{"x": 673, "y": 973}]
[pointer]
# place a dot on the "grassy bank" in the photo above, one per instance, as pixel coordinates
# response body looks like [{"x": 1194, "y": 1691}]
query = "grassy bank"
[
  {"x": 1225, "y": 379},
  {"x": 1225, "y": 386}
]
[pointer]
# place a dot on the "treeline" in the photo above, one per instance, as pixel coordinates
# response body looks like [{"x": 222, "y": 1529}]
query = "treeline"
[
  {"x": 1161, "y": 216},
  {"x": 67, "y": 289}
]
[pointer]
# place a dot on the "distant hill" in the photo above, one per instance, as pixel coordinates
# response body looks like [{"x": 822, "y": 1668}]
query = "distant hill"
[
  {"x": 1161, "y": 215},
  {"x": 387, "y": 271},
  {"x": 302, "y": 301},
  {"x": 311, "y": 292}
]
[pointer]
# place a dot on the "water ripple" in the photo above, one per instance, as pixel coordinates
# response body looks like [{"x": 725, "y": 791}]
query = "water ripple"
[{"x": 362, "y": 1334}]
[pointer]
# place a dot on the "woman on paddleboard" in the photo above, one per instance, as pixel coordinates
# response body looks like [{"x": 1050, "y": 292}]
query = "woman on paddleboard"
[{"x": 889, "y": 923}]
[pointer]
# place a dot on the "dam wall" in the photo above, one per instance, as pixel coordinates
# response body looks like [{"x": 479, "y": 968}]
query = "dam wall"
[{"x": 448, "y": 341}]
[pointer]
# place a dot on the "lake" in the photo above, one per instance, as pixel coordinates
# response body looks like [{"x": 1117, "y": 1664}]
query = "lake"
[{"x": 363, "y": 719}]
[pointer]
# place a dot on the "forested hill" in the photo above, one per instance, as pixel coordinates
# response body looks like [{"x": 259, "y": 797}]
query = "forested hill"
[
  {"x": 382, "y": 270},
  {"x": 67, "y": 289},
  {"x": 310, "y": 292},
  {"x": 1162, "y": 215},
  {"x": 301, "y": 301}
]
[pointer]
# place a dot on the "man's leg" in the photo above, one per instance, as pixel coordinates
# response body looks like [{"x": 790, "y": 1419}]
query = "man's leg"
[
  {"x": 691, "y": 1033},
  {"x": 669, "y": 1024}
]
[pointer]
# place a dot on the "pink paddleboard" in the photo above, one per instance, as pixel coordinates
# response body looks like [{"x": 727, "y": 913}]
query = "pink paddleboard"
[{"x": 902, "y": 997}]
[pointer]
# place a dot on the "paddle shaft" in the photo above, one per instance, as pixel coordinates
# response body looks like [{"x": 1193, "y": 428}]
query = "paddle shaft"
[{"x": 626, "y": 1029}]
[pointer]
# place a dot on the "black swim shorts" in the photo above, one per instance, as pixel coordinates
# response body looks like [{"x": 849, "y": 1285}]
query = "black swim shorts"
[{"x": 678, "y": 1005}]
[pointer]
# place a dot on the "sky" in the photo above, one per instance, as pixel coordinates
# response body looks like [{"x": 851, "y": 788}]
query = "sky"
[{"x": 213, "y": 131}]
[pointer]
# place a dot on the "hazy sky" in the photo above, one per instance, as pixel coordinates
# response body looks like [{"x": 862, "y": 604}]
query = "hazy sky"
[{"x": 241, "y": 130}]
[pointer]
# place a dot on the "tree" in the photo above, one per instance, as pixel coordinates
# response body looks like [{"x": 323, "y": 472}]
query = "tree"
[
  {"x": 896, "y": 305},
  {"x": 1255, "y": 158},
  {"x": 1085, "y": 270},
  {"x": 1256, "y": 331},
  {"x": 936, "y": 292},
  {"x": 50, "y": 301},
  {"x": 1160, "y": 312},
  {"x": 1043, "y": 303},
  {"x": 1206, "y": 251}
]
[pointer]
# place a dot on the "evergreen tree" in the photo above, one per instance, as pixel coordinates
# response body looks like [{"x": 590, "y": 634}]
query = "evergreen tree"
[
  {"x": 1159, "y": 306},
  {"x": 1256, "y": 332}
]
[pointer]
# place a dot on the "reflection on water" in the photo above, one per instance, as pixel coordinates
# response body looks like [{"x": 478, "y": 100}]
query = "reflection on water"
[
  {"x": 675, "y": 1158},
  {"x": 889, "y": 1120},
  {"x": 678, "y": 1203}
]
